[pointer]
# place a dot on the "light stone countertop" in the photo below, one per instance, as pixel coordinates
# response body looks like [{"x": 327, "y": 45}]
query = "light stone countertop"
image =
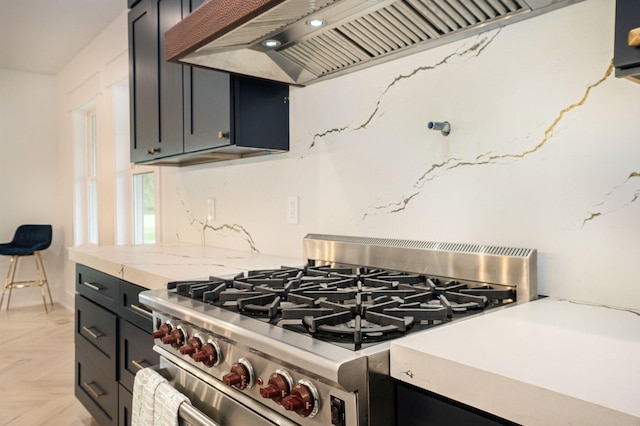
[
  {"x": 547, "y": 362},
  {"x": 152, "y": 266}
]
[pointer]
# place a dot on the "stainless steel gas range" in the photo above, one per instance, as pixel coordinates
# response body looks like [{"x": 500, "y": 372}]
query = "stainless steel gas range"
[{"x": 309, "y": 344}]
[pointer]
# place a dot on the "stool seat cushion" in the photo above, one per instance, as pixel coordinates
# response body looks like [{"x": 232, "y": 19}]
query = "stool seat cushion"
[
  {"x": 28, "y": 239},
  {"x": 15, "y": 250}
]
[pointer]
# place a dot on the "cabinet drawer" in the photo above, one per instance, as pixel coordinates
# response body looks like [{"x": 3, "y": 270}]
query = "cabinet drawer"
[
  {"x": 97, "y": 286},
  {"x": 96, "y": 387},
  {"x": 136, "y": 351},
  {"x": 96, "y": 326},
  {"x": 124, "y": 406},
  {"x": 130, "y": 308}
]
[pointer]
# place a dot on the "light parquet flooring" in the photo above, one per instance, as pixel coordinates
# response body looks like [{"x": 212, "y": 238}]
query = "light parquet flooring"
[{"x": 37, "y": 368}]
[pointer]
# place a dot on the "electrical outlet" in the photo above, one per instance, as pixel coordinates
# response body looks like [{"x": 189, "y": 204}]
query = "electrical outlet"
[
  {"x": 292, "y": 210},
  {"x": 211, "y": 209}
]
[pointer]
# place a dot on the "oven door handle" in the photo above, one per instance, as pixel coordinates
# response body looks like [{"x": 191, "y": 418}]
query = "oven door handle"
[
  {"x": 193, "y": 416},
  {"x": 186, "y": 411}
]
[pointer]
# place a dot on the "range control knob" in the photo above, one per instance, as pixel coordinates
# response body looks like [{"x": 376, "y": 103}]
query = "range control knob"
[
  {"x": 240, "y": 376},
  {"x": 175, "y": 338},
  {"x": 303, "y": 399},
  {"x": 278, "y": 386},
  {"x": 193, "y": 345},
  {"x": 162, "y": 331},
  {"x": 209, "y": 354}
]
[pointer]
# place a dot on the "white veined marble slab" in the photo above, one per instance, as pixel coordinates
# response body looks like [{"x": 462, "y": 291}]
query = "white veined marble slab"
[
  {"x": 547, "y": 362},
  {"x": 152, "y": 266}
]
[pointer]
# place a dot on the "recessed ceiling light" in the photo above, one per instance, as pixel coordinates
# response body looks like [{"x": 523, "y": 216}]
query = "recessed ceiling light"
[
  {"x": 271, "y": 43},
  {"x": 316, "y": 22}
]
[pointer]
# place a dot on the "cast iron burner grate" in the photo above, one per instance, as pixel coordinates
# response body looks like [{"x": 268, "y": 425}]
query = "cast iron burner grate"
[{"x": 350, "y": 306}]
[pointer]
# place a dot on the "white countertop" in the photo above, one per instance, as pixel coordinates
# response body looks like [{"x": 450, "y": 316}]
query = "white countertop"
[
  {"x": 547, "y": 362},
  {"x": 152, "y": 266}
]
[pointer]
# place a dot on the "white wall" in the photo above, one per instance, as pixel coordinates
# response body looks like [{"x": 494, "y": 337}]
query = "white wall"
[
  {"x": 29, "y": 172},
  {"x": 543, "y": 153}
]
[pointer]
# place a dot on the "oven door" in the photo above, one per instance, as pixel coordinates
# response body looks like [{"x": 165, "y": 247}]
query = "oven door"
[{"x": 212, "y": 402}]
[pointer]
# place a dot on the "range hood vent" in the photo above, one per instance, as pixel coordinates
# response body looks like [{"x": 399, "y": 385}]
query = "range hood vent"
[{"x": 233, "y": 36}]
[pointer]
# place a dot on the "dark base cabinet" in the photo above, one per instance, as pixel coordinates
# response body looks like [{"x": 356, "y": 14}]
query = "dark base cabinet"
[
  {"x": 113, "y": 340},
  {"x": 95, "y": 385},
  {"x": 124, "y": 416},
  {"x": 417, "y": 407},
  {"x": 135, "y": 348}
]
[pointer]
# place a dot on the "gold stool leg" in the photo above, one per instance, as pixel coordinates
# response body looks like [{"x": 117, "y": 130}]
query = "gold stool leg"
[
  {"x": 46, "y": 281},
  {"x": 42, "y": 282},
  {"x": 6, "y": 282},
  {"x": 13, "y": 266}
]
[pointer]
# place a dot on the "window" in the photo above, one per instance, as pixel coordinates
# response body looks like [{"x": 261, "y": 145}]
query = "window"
[
  {"x": 115, "y": 202},
  {"x": 92, "y": 178},
  {"x": 136, "y": 186},
  {"x": 86, "y": 187},
  {"x": 144, "y": 211}
]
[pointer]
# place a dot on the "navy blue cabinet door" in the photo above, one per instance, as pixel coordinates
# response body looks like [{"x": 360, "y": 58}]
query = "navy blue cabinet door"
[{"x": 155, "y": 85}]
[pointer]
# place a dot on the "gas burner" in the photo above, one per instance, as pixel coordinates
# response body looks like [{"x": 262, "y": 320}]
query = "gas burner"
[
  {"x": 341, "y": 324},
  {"x": 346, "y": 304}
]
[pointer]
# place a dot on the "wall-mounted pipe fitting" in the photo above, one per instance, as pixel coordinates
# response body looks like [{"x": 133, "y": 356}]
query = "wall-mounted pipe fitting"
[{"x": 443, "y": 126}]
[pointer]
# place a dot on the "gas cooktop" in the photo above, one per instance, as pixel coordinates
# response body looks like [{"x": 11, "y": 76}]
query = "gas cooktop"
[{"x": 352, "y": 307}]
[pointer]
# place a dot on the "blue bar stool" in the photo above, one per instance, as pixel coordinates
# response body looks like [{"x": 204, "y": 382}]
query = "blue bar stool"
[{"x": 28, "y": 240}]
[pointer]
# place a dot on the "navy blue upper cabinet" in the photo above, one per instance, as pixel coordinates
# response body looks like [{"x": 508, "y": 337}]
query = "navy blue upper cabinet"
[
  {"x": 183, "y": 115},
  {"x": 627, "y": 49},
  {"x": 155, "y": 86}
]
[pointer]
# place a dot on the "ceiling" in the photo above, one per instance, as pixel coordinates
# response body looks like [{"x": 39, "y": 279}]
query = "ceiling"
[{"x": 41, "y": 36}]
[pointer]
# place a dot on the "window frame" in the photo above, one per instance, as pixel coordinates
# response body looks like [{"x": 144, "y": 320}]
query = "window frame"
[
  {"x": 91, "y": 185},
  {"x": 140, "y": 170}
]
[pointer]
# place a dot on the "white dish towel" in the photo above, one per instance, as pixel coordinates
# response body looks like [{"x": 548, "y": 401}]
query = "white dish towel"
[
  {"x": 168, "y": 400},
  {"x": 155, "y": 401}
]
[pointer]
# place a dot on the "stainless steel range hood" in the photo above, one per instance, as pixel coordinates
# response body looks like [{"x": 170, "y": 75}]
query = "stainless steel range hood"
[{"x": 234, "y": 35}]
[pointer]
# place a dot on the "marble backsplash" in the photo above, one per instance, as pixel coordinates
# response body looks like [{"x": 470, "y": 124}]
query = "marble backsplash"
[{"x": 543, "y": 153}]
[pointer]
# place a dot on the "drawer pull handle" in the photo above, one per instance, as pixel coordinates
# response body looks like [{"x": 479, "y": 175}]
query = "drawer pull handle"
[
  {"x": 138, "y": 364},
  {"x": 634, "y": 37},
  {"x": 91, "y": 332},
  {"x": 88, "y": 386},
  {"x": 142, "y": 311},
  {"x": 92, "y": 286}
]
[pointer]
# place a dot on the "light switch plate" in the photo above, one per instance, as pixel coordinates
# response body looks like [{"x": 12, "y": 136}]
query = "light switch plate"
[{"x": 292, "y": 210}]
